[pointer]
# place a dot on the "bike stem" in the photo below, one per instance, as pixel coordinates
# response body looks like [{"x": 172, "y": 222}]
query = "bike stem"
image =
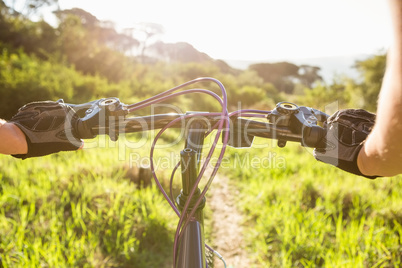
[{"x": 192, "y": 245}]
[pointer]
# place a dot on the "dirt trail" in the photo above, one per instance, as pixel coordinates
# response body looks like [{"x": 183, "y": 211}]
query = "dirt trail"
[{"x": 227, "y": 224}]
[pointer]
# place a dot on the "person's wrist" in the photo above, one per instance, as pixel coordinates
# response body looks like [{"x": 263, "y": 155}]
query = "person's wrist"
[
  {"x": 19, "y": 140},
  {"x": 366, "y": 162},
  {"x": 361, "y": 162}
]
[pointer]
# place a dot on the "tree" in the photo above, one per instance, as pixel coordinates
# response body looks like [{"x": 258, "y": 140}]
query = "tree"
[
  {"x": 285, "y": 75},
  {"x": 103, "y": 32},
  {"x": 91, "y": 47},
  {"x": 350, "y": 92},
  {"x": 33, "y": 7},
  {"x": 147, "y": 31},
  {"x": 87, "y": 20},
  {"x": 308, "y": 75},
  {"x": 121, "y": 42},
  {"x": 280, "y": 74},
  {"x": 18, "y": 31}
]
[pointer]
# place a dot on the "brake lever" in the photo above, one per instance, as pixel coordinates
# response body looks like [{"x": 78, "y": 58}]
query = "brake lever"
[
  {"x": 300, "y": 120},
  {"x": 99, "y": 113}
]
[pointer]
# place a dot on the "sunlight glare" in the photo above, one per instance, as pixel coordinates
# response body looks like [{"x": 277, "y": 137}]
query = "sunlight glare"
[{"x": 256, "y": 30}]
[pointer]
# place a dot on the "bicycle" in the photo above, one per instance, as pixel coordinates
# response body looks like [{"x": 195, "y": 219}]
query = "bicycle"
[{"x": 287, "y": 122}]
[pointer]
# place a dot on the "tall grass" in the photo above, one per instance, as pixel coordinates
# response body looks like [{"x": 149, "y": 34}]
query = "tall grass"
[
  {"x": 303, "y": 213},
  {"x": 80, "y": 210}
]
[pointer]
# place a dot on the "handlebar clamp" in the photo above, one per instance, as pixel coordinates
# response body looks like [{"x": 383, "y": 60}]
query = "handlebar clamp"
[
  {"x": 100, "y": 114},
  {"x": 300, "y": 120}
]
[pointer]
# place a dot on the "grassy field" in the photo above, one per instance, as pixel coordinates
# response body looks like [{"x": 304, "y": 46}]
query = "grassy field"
[
  {"x": 82, "y": 209},
  {"x": 302, "y": 213}
]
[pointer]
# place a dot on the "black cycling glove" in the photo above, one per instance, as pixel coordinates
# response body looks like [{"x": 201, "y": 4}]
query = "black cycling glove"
[
  {"x": 48, "y": 127},
  {"x": 346, "y": 132}
]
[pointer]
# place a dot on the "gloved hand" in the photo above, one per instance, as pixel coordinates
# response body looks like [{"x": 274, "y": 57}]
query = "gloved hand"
[
  {"x": 48, "y": 127},
  {"x": 346, "y": 132}
]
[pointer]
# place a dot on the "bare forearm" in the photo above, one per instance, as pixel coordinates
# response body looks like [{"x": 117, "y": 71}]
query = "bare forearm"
[
  {"x": 382, "y": 152},
  {"x": 12, "y": 139}
]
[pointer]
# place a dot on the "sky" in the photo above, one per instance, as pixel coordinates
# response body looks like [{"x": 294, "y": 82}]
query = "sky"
[{"x": 257, "y": 29}]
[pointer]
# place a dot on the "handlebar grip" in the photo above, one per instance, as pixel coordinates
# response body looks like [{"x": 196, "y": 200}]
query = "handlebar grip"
[
  {"x": 314, "y": 137},
  {"x": 97, "y": 114},
  {"x": 84, "y": 131}
]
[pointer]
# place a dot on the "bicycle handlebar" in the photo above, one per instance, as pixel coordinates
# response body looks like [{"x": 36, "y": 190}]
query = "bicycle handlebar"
[{"x": 287, "y": 122}]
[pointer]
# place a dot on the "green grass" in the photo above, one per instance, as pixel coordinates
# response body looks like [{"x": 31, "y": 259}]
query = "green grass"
[
  {"x": 302, "y": 213},
  {"x": 80, "y": 210}
]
